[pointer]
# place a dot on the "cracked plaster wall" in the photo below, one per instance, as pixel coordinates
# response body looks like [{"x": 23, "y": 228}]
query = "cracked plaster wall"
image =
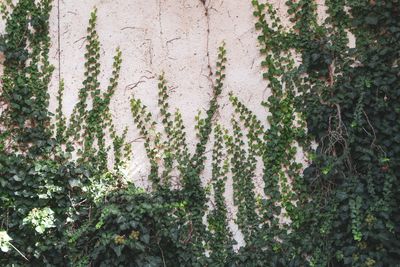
[
  {"x": 177, "y": 37},
  {"x": 171, "y": 36}
]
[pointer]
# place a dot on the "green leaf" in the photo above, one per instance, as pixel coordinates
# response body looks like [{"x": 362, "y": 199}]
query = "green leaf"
[
  {"x": 371, "y": 20},
  {"x": 4, "y": 241}
]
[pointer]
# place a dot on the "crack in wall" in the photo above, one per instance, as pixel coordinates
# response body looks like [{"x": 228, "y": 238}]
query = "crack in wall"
[{"x": 59, "y": 40}]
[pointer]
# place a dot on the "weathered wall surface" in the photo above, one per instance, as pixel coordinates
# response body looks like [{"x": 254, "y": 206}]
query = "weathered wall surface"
[
  {"x": 177, "y": 37},
  {"x": 171, "y": 36}
]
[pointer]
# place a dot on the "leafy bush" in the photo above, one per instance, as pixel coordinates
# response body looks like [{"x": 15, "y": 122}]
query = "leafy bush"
[{"x": 130, "y": 228}]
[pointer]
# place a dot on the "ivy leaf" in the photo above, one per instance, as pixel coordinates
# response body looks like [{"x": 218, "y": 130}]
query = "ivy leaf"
[
  {"x": 341, "y": 195},
  {"x": 118, "y": 250},
  {"x": 371, "y": 20},
  {"x": 17, "y": 178},
  {"x": 145, "y": 238},
  {"x": 74, "y": 183},
  {"x": 40, "y": 228},
  {"x": 4, "y": 241}
]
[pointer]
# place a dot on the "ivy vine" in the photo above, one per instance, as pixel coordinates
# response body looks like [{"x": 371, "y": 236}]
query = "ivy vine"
[{"x": 61, "y": 204}]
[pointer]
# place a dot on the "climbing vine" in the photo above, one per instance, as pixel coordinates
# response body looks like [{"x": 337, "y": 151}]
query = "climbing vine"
[
  {"x": 42, "y": 189},
  {"x": 64, "y": 203}
]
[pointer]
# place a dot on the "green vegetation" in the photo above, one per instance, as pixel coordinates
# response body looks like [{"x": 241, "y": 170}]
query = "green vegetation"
[{"x": 61, "y": 205}]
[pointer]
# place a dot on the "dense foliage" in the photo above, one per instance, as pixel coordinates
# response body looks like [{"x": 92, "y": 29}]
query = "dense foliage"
[
  {"x": 61, "y": 205},
  {"x": 351, "y": 99}
]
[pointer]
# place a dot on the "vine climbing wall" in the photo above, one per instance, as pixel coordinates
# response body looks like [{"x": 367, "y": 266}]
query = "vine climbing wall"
[
  {"x": 277, "y": 146},
  {"x": 178, "y": 38}
]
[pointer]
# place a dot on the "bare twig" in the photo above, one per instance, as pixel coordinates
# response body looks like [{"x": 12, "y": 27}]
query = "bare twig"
[{"x": 162, "y": 254}]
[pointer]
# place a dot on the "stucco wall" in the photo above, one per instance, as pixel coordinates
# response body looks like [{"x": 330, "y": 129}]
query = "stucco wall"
[
  {"x": 158, "y": 36},
  {"x": 171, "y": 36}
]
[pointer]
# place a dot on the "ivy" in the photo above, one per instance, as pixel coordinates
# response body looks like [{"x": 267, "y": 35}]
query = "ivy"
[
  {"x": 221, "y": 241},
  {"x": 62, "y": 205},
  {"x": 171, "y": 149},
  {"x": 43, "y": 191}
]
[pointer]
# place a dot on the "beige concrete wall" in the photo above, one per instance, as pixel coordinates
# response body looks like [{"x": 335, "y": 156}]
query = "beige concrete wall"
[
  {"x": 158, "y": 36},
  {"x": 155, "y": 36}
]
